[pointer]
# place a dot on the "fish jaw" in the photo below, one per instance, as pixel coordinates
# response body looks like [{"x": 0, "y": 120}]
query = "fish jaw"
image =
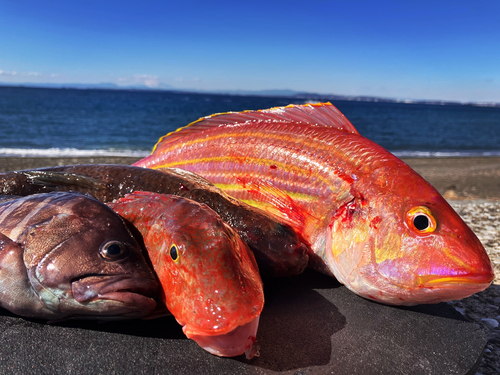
[
  {"x": 116, "y": 294},
  {"x": 407, "y": 283},
  {"x": 241, "y": 340},
  {"x": 457, "y": 270}
]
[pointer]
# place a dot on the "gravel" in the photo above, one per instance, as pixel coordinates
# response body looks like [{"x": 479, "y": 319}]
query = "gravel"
[{"x": 483, "y": 308}]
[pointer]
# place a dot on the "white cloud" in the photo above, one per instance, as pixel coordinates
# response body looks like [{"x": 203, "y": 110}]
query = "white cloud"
[
  {"x": 180, "y": 79},
  {"x": 8, "y": 74},
  {"x": 141, "y": 79},
  {"x": 5, "y": 73}
]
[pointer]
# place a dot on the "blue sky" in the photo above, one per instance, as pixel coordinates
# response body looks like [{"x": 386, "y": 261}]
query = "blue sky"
[{"x": 447, "y": 50}]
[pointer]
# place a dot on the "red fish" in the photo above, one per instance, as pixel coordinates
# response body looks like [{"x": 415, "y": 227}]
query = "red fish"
[
  {"x": 209, "y": 278},
  {"x": 369, "y": 219}
]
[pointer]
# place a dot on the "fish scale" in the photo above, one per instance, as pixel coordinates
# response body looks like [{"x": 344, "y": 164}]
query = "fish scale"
[
  {"x": 14, "y": 221},
  {"x": 368, "y": 218}
]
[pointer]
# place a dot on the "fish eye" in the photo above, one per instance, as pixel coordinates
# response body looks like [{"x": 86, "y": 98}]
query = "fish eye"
[
  {"x": 421, "y": 220},
  {"x": 114, "y": 250},
  {"x": 174, "y": 253}
]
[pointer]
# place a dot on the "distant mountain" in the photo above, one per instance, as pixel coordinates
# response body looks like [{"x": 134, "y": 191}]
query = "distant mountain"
[
  {"x": 308, "y": 96},
  {"x": 257, "y": 92},
  {"x": 285, "y": 93}
]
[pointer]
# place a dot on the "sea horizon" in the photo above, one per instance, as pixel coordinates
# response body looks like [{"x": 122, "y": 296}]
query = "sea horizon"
[
  {"x": 278, "y": 93},
  {"x": 47, "y": 122}
]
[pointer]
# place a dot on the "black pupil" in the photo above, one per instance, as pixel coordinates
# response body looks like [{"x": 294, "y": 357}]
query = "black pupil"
[
  {"x": 114, "y": 249},
  {"x": 421, "y": 222},
  {"x": 173, "y": 252}
]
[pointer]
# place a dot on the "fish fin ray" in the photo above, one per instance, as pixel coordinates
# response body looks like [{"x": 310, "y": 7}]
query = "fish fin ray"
[
  {"x": 280, "y": 203},
  {"x": 323, "y": 114}
]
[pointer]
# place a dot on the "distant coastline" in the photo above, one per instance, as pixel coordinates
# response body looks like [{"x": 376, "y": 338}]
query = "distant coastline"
[
  {"x": 307, "y": 96},
  {"x": 71, "y": 153}
]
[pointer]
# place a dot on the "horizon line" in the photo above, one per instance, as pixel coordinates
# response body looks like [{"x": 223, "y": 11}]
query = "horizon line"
[{"x": 281, "y": 93}]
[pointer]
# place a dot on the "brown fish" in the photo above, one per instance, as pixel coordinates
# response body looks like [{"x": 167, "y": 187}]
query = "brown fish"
[
  {"x": 67, "y": 255},
  {"x": 276, "y": 246}
]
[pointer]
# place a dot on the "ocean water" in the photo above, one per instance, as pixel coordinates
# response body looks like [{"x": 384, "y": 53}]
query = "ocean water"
[{"x": 71, "y": 122}]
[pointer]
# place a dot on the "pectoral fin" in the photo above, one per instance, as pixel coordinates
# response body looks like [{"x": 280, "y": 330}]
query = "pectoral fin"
[
  {"x": 16, "y": 292},
  {"x": 54, "y": 179}
]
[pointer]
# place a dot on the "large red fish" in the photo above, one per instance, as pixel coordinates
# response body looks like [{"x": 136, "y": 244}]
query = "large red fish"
[
  {"x": 369, "y": 219},
  {"x": 209, "y": 278}
]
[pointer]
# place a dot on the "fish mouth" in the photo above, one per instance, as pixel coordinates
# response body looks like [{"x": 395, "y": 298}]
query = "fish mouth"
[
  {"x": 472, "y": 280},
  {"x": 241, "y": 340},
  {"x": 134, "y": 292}
]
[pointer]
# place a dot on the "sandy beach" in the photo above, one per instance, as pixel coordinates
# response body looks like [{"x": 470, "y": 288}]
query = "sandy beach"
[
  {"x": 456, "y": 178},
  {"x": 471, "y": 185}
]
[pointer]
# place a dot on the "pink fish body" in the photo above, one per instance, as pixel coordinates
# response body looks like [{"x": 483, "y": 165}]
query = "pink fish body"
[
  {"x": 209, "y": 278},
  {"x": 368, "y": 218}
]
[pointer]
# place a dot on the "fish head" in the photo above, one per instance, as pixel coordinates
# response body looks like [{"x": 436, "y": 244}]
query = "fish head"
[
  {"x": 405, "y": 245},
  {"x": 209, "y": 278},
  {"x": 84, "y": 261}
]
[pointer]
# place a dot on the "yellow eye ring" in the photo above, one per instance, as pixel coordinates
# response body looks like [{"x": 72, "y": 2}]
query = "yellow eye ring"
[
  {"x": 421, "y": 220},
  {"x": 174, "y": 253}
]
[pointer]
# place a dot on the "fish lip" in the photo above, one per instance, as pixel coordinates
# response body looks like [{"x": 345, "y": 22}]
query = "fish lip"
[
  {"x": 190, "y": 330},
  {"x": 117, "y": 287},
  {"x": 470, "y": 280},
  {"x": 238, "y": 340}
]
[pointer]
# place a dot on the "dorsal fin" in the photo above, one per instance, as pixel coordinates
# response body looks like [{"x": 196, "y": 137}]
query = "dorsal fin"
[{"x": 324, "y": 114}]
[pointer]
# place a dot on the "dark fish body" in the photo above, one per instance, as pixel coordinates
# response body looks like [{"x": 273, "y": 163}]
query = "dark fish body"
[
  {"x": 277, "y": 249},
  {"x": 67, "y": 255}
]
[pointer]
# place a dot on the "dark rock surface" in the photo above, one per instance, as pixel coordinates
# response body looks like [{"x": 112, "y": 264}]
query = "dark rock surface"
[{"x": 310, "y": 324}]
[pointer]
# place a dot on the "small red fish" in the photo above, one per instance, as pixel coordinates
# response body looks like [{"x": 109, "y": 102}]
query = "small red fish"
[
  {"x": 369, "y": 219},
  {"x": 209, "y": 278}
]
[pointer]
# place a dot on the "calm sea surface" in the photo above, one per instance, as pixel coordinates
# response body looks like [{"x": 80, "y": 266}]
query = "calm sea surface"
[{"x": 70, "y": 122}]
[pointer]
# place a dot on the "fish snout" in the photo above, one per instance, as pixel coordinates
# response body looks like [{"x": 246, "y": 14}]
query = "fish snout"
[
  {"x": 463, "y": 264},
  {"x": 432, "y": 269}
]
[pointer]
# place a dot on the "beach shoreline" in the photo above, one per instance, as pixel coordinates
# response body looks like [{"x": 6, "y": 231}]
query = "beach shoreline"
[
  {"x": 456, "y": 178},
  {"x": 470, "y": 184}
]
